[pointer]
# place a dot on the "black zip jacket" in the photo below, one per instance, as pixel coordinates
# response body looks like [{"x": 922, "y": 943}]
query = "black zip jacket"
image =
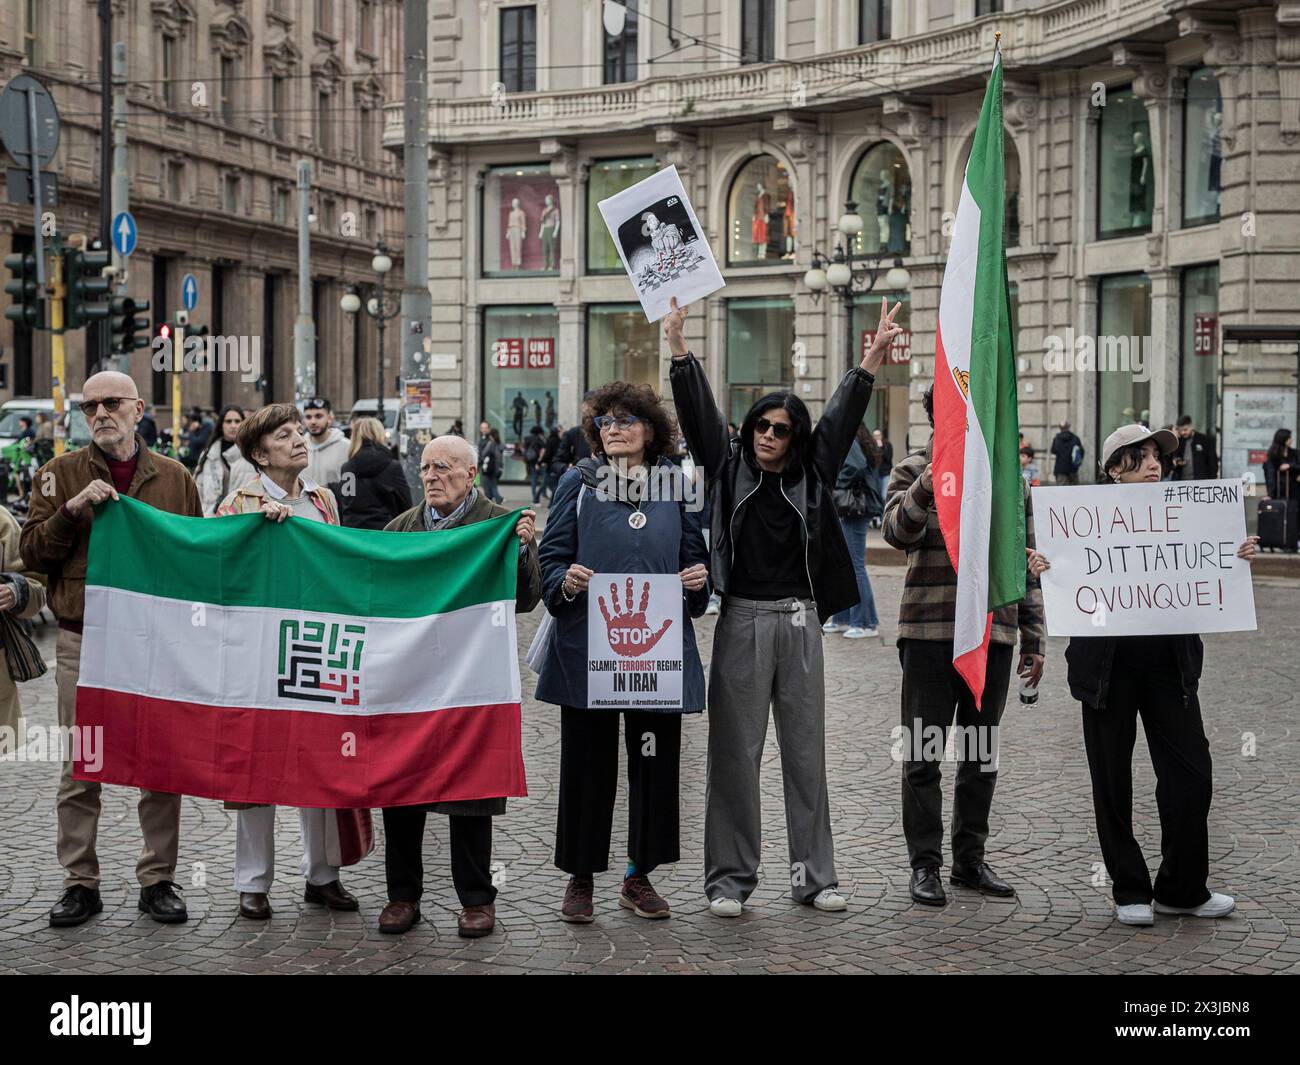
[
  {"x": 1090, "y": 658},
  {"x": 375, "y": 493},
  {"x": 731, "y": 477}
]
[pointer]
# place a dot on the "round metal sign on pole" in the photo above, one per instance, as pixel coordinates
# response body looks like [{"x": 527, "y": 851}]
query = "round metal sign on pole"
[{"x": 16, "y": 130}]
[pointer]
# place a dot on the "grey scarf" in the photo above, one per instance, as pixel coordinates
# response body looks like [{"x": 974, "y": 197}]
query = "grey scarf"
[{"x": 432, "y": 522}]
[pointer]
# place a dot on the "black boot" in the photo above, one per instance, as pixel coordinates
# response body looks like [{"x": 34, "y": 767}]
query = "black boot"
[
  {"x": 980, "y": 877},
  {"x": 78, "y": 905}
]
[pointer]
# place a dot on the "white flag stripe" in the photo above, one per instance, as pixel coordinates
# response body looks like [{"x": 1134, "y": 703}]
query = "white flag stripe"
[
  {"x": 159, "y": 648},
  {"x": 956, "y": 316}
]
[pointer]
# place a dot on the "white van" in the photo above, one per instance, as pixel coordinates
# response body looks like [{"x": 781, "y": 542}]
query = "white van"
[
  {"x": 369, "y": 408},
  {"x": 14, "y": 409}
]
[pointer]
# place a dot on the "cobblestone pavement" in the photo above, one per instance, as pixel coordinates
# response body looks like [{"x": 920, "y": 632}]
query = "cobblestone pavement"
[{"x": 1043, "y": 840}]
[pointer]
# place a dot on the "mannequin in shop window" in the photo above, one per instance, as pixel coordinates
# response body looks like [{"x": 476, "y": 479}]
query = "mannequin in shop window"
[
  {"x": 1139, "y": 185},
  {"x": 549, "y": 232},
  {"x": 898, "y": 234},
  {"x": 884, "y": 200},
  {"x": 787, "y": 222},
  {"x": 516, "y": 227},
  {"x": 1214, "y": 145},
  {"x": 758, "y": 227}
]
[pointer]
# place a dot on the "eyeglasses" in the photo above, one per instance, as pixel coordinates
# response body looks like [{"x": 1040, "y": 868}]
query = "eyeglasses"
[
  {"x": 90, "y": 406},
  {"x": 623, "y": 421},
  {"x": 315, "y": 404},
  {"x": 779, "y": 429}
]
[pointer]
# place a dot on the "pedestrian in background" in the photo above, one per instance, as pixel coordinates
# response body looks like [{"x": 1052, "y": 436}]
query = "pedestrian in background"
[
  {"x": 327, "y": 447},
  {"x": 1028, "y": 469},
  {"x": 884, "y": 465},
  {"x": 221, "y": 468},
  {"x": 22, "y": 595},
  {"x": 630, "y": 530},
  {"x": 1118, "y": 679},
  {"x": 777, "y": 555},
  {"x": 554, "y": 463},
  {"x": 1067, "y": 450},
  {"x": 857, "y": 503},
  {"x": 534, "y": 454},
  {"x": 1282, "y": 468},
  {"x": 372, "y": 488},
  {"x": 490, "y": 458}
]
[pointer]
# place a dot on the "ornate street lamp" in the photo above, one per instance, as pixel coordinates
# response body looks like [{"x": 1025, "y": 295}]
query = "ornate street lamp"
[
  {"x": 379, "y": 305},
  {"x": 850, "y": 274}
]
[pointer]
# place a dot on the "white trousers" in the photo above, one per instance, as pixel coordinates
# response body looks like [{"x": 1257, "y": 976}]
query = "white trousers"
[{"x": 255, "y": 848}]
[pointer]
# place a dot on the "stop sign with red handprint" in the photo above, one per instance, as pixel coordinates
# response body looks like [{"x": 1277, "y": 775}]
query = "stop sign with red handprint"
[{"x": 634, "y": 640}]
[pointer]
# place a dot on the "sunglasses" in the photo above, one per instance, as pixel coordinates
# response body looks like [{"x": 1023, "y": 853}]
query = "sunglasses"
[
  {"x": 623, "y": 421},
  {"x": 779, "y": 429},
  {"x": 315, "y": 404},
  {"x": 90, "y": 406}
]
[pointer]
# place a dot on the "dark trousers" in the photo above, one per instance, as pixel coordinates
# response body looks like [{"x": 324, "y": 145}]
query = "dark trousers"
[
  {"x": 933, "y": 692},
  {"x": 589, "y": 782},
  {"x": 1144, "y": 680},
  {"x": 471, "y": 856}
]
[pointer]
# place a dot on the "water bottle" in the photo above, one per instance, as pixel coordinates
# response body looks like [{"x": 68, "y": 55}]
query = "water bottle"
[{"x": 1028, "y": 688}]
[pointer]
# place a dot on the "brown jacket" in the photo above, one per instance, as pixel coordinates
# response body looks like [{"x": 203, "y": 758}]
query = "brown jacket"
[
  {"x": 527, "y": 595},
  {"x": 53, "y": 545}
]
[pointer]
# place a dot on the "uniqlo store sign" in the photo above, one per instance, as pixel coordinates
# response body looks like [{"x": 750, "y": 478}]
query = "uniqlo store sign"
[{"x": 518, "y": 353}]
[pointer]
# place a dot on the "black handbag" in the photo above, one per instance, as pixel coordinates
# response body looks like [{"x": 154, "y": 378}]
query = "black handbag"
[{"x": 850, "y": 502}]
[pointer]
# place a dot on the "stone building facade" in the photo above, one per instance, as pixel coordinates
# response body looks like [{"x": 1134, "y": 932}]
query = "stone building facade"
[
  {"x": 1153, "y": 228},
  {"x": 225, "y": 96}
]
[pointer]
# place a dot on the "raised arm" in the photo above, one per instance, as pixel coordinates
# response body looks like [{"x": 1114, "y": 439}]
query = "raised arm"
[{"x": 702, "y": 423}]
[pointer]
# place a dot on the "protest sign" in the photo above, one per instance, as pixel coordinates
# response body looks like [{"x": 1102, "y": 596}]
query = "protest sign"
[
  {"x": 1141, "y": 559},
  {"x": 661, "y": 243},
  {"x": 634, "y": 641}
]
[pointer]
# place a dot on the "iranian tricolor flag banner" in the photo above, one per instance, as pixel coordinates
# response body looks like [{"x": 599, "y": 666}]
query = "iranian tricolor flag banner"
[
  {"x": 300, "y": 663},
  {"x": 976, "y": 473}
]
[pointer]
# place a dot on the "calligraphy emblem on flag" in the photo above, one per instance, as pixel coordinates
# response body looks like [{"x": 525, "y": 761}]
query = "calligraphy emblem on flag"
[{"x": 323, "y": 671}]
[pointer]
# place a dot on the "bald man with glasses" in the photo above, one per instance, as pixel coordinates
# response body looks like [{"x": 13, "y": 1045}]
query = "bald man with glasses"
[{"x": 55, "y": 541}]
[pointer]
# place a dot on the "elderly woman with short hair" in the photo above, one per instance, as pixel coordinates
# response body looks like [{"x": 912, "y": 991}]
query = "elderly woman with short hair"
[
  {"x": 624, "y": 526},
  {"x": 273, "y": 440}
]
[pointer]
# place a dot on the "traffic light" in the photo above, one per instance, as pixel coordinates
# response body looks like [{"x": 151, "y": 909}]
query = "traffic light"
[
  {"x": 28, "y": 308},
  {"x": 87, "y": 286},
  {"x": 128, "y": 330}
]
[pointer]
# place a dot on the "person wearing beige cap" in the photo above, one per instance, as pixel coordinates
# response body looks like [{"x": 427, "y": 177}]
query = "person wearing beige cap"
[{"x": 1118, "y": 679}]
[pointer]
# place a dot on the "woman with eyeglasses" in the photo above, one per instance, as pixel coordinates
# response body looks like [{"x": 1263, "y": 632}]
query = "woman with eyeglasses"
[
  {"x": 221, "y": 468},
  {"x": 1155, "y": 677},
  {"x": 780, "y": 561},
  {"x": 624, "y": 510}
]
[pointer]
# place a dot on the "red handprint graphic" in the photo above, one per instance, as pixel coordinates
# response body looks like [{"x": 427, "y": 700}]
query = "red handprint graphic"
[{"x": 629, "y": 633}]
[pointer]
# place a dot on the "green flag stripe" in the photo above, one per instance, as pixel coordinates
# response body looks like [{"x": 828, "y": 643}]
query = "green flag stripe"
[
  {"x": 993, "y": 368},
  {"x": 247, "y": 560}
]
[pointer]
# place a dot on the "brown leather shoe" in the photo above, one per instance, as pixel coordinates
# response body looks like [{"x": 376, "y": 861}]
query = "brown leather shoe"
[
  {"x": 331, "y": 895},
  {"x": 476, "y": 921},
  {"x": 398, "y": 917},
  {"x": 254, "y": 905}
]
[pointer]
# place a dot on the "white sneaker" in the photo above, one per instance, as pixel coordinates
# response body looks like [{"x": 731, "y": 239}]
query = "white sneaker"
[
  {"x": 724, "y": 907},
  {"x": 830, "y": 900},
  {"x": 857, "y": 633},
  {"x": 1136, "y": 913},
  {"x": 1215, "y": 906},
  {"x": 831, "y": 626}
]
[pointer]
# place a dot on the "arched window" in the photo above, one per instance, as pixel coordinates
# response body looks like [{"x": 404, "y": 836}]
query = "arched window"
[
  {"x": 761, "y": 214},
  {"x": 882, "y": 189},
  {"x": 1202, "y": 148},
  {"x": 1011, "y": 187}
]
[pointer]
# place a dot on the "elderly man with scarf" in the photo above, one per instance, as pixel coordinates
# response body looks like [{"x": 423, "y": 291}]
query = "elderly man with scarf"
[{"x": 447, "y": 469}]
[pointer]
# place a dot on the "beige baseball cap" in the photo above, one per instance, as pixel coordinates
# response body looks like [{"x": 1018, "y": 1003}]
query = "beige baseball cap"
[{"x": 1136, "y": 433}]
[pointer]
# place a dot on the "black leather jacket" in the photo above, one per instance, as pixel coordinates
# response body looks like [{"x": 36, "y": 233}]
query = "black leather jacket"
[{"x": 731, "y": 478}]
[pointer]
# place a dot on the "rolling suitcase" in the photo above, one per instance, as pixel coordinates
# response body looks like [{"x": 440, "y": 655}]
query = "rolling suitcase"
[{"x": 1279, "y": 520}]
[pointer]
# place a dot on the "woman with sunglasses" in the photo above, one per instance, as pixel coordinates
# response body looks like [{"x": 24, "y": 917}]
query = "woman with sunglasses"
[
  {"x": 621, "y": 511},
  {"x": 778, "y": 556},
  {"x": 1121, "y": 678},
  {"x": 222, "y": 469}
]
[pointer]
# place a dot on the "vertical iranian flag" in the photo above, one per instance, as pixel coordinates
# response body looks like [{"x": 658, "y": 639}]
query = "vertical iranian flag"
[
  {"x": 303, "y": 664},
  {"x": 977, "y": 478}
]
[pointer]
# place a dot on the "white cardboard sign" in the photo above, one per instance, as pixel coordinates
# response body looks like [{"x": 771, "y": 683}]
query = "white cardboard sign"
[
  {"x": 634, "y": 641},
  {"x": 1144, "y": 559},
  {"x": 661, "y": 243}
]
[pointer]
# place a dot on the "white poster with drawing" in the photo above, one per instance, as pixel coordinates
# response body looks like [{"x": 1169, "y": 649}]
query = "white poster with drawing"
[{"x": 661, "y": 243}]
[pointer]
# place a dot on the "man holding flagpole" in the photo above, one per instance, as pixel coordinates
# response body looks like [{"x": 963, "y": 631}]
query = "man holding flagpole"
[{"x": 960, "y": 511}]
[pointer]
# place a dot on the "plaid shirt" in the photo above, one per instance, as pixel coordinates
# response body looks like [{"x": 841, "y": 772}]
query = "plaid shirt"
[{"x": 911, "y": 524}]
